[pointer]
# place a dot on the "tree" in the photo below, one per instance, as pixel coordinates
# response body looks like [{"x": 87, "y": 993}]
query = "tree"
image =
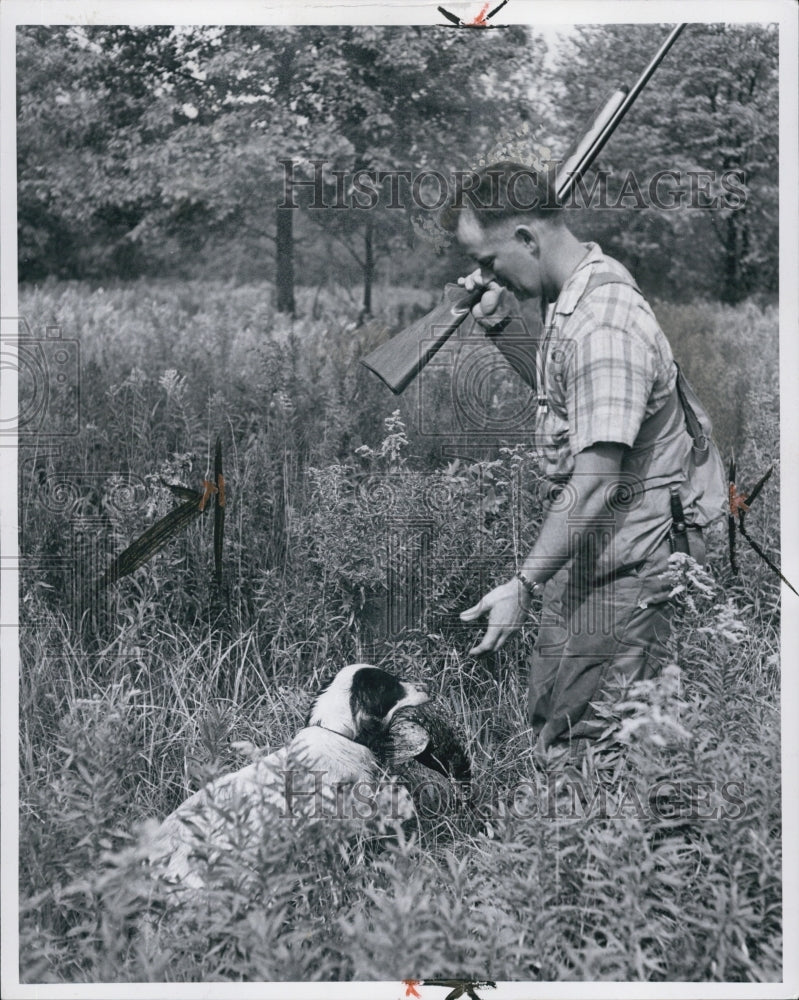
[
  {"x": 90, "y": 116},
  {"x": 711, "y": 114},
  {"x": 409, "y": 100},
  {"x": 175, "y": 138}
]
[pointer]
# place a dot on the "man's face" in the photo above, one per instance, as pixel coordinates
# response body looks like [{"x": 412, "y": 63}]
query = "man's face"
[{"x": 506, "y": 250}]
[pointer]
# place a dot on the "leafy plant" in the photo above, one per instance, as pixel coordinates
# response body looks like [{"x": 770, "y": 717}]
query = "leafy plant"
[{"x": 659, "y": 861}]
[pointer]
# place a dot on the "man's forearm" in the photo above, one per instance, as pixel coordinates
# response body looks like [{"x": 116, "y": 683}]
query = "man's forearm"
[
  {"x": 555, "y": 543},
  {"x": 596, "y": 470}
]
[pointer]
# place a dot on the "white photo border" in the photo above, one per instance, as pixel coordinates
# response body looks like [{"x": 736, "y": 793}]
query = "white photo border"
[{"x": 547, "y": 15}]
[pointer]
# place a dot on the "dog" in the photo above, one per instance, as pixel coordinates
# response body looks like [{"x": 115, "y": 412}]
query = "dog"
[{"x": 328, "y": 768}]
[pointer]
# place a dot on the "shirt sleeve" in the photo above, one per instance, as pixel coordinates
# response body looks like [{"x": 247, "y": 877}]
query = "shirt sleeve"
[{"x": 609, "y": 378}]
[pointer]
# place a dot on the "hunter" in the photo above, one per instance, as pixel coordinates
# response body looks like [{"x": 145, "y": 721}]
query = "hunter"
[{"x": 618, "y": 433}]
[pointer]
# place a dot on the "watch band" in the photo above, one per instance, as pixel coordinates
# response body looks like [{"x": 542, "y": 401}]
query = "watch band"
[{"x": 530, "y": 586}]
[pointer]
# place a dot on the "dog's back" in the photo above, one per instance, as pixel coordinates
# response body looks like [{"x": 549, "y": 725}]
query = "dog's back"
[
  {"x": 319, "y": 774},
  {"x": 327, "y": 770}
]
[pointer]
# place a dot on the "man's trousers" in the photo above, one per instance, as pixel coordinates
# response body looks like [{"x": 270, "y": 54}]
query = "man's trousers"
[{"x": 592, "y": 632}]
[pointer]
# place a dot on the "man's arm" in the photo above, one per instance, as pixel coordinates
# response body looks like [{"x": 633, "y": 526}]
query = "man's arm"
[
  {"x": 494, "y": 313},
  {"x": 596, "y": 470}
]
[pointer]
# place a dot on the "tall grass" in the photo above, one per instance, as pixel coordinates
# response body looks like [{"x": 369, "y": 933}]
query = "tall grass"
[{"x": 346, "y": 540}]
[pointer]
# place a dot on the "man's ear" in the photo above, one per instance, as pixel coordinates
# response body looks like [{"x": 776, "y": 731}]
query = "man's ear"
[{"x": 528, "y": 237}]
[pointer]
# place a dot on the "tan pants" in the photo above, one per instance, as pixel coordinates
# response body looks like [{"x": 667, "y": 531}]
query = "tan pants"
[{"x": 592, "y": 631}]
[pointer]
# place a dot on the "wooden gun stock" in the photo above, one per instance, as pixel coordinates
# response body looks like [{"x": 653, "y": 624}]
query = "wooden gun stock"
[{"x": 399, "y": 360}]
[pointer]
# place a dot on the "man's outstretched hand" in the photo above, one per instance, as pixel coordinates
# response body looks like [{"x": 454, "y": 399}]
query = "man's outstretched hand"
[{"x": 507, "y": 607}]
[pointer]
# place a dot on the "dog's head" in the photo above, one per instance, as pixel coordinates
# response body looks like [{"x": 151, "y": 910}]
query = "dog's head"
[{"x": 361, "y": 700}]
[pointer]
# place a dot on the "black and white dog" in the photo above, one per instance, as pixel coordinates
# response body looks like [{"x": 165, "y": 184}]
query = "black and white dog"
[{"x": 338, "y": 751}]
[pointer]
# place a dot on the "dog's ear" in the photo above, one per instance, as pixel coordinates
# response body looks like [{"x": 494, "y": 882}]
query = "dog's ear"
[{"x": 373, "y": 694}]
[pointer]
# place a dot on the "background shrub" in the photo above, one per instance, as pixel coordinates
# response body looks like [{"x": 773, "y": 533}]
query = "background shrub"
[{"x": 334, "y": 496}]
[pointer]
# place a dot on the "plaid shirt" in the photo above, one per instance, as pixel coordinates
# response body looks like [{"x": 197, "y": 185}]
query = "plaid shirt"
[{"x": 604, "y": 366}]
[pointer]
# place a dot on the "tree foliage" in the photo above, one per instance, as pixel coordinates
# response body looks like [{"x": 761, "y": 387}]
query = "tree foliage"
[
  {"x": 711, "y": 109},
  {"x": 157, "y": 150},
  {"x": 181, "y": 132}
]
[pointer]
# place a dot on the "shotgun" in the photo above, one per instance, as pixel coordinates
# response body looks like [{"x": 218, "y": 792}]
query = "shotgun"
[{"x": 399, "y": 360}]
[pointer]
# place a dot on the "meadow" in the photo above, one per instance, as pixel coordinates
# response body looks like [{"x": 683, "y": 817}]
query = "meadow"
[{"x": 358, "y": 525}]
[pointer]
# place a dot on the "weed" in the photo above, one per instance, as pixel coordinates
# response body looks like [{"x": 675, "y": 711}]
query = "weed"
[{"x": 349, "y": 539}]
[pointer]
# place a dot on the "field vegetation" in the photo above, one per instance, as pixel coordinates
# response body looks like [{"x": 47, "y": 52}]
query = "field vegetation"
[{"x": 358, "y": 525}]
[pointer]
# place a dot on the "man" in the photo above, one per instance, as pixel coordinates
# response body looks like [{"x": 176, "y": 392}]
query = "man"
[{"x": 631, "y": 483}]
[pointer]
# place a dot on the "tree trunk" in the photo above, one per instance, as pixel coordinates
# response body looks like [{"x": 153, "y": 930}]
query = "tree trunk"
[
  {"x": 284, "y": 217},
  {"x": 368, "y": 266},
  {"x": 284, "y": 260},
  {"x": 731, "y": 291}
]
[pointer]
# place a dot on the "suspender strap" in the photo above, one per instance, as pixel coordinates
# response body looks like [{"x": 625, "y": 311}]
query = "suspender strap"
[
  {"x": 698, "y": 436},
  {"x": 609, "y": 278},
  {"x": 692, "y": 423}
]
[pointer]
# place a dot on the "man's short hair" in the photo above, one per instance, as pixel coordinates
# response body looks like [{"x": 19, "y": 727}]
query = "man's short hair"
[{"x": 500, "y": 191}]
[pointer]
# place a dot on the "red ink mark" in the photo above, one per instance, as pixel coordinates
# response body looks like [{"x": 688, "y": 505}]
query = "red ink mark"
[
  {"x": 480, "y": 20},
  {"x": 209, "y": 489},
  {"x": 737, "y": 501},
  {"x": 220, "y": 482},
  {"x": 411, "y": 984}
]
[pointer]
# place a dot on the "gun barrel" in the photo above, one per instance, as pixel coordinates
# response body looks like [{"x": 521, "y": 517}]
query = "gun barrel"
[
  {"x": 399, "y": 360},
  {"x": 572, "y": 167},
  {"x": 599, "y": 142}
]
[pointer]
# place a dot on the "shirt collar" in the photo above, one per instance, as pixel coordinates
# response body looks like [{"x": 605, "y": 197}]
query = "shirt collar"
[{"x": 574, "y": 286}]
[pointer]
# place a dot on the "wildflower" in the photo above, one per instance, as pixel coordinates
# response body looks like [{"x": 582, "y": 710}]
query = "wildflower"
[{"x": 173, "y": 384}]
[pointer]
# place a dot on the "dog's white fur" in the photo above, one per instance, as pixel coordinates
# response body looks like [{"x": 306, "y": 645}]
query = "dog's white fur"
[{"x": 257, "y": 794}]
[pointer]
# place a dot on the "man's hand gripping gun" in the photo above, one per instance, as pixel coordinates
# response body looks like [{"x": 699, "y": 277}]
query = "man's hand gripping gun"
[{"x": 399, "y": 360}]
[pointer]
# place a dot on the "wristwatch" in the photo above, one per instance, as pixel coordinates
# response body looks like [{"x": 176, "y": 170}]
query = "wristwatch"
[{"x": 532, "y": 588}]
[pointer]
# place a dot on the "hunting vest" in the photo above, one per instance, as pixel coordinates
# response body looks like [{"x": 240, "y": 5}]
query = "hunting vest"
[{"x": 673, "y": 452}]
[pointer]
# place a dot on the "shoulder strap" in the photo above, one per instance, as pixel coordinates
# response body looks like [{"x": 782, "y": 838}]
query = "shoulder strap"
[
  {"x": 600, "y": 278},
  {"x": 692, "y": 422}
]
